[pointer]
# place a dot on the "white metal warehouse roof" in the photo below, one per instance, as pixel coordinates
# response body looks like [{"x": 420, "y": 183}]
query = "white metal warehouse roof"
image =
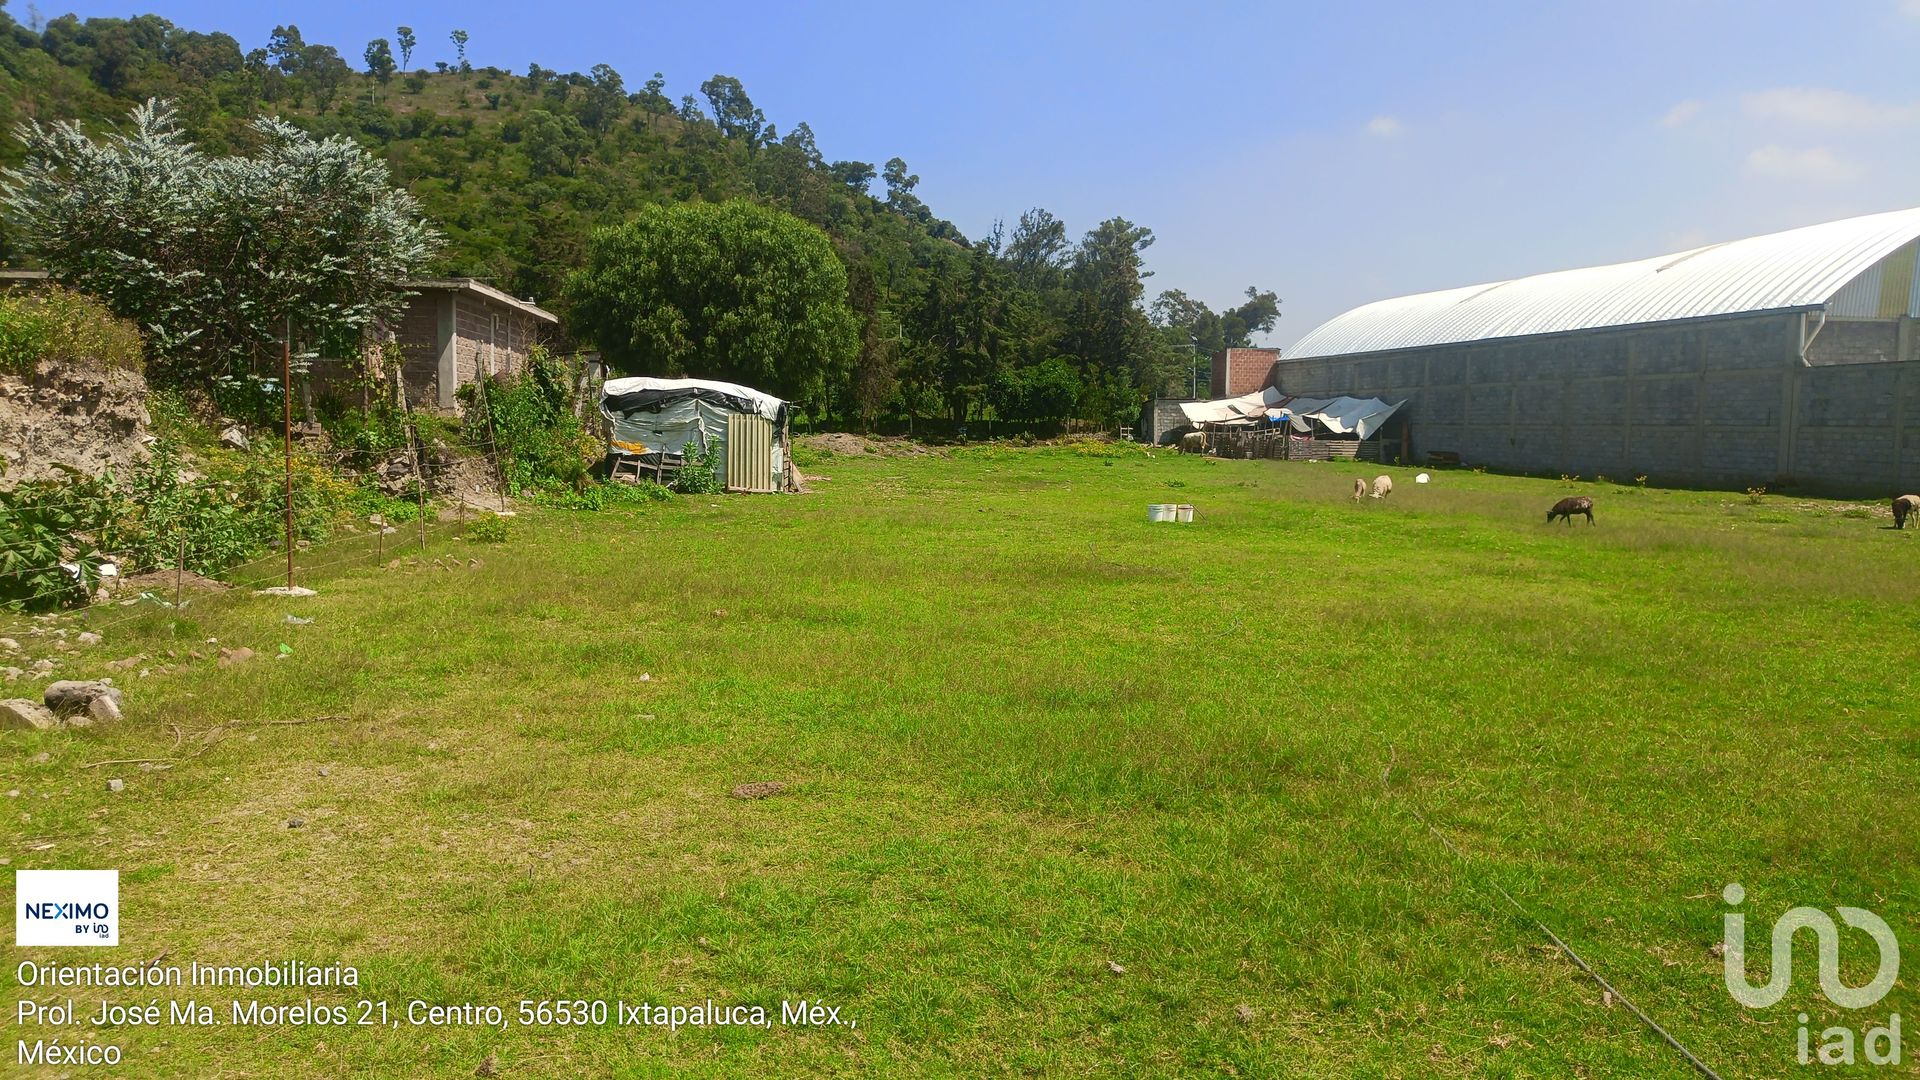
[{"x": 1797, "y": 269}]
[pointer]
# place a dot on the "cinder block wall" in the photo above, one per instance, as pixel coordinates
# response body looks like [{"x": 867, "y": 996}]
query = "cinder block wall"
[
  {"x": 1723, "y": 402},
  {"x": 1241, "y": 371}
]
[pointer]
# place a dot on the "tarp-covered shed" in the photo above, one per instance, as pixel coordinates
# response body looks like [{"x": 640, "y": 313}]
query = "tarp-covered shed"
[
  {"x": 1359, "y": 417},
  {"x": 664, "y": 423}
]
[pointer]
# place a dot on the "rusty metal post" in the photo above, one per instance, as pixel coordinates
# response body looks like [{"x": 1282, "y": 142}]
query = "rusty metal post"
[{"x": 286, "y": 437}]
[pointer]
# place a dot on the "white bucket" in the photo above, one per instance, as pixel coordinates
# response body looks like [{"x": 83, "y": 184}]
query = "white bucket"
[
  {"x": 1183, "y": 513},
  {"x": 1161, "y": 511}
]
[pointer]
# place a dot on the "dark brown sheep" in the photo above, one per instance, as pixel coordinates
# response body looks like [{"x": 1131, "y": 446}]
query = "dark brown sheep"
[
  {"x": 1903, "y": 507},
  {"x": 1569, "y": 506}
]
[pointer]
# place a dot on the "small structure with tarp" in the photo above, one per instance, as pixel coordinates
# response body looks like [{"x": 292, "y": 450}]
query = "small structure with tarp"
[
  {"x": 1271, "y": 424},
  {"x": 660, "y": 426}
]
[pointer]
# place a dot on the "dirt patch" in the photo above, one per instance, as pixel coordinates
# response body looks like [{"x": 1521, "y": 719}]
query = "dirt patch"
[
  {"x": 164, "y": 581},
  {"x": 759, "y": 789},
  {"x": 841, "y": 442},
  {"x": 69, "y": 416}
]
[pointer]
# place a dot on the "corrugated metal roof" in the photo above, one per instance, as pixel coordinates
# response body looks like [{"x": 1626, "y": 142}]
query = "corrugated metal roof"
[{"x": 1799, "y": 268}]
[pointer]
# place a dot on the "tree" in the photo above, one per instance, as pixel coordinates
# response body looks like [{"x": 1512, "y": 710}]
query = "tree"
[
  {"x": 379, "y": 56},
  {"x": 459, "y": 39},
  {"x": 900, "y": 196},
  {"x": 555, "y": 143},
  {"x": 1107, "y": 327},
  {"x": 1038, "y": 248},
  {"x": 733, "y": 111},
  {"x": 1257, "y": 316},
  {"x": 653, "y": 98},
  {"x": 404, "y": 37},
  {"x": 857, "y": 176},
  {"x": 211, "y": 255},
  {"x": 730, "y": 290}
]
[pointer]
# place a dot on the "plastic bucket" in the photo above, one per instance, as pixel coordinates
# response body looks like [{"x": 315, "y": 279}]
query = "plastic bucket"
[
  {"x": 1183, "y": 514},
  {"x": 1161, "y": 511}
]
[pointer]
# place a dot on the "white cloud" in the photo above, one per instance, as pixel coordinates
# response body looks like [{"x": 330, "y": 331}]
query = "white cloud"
[
  {"x": 1686, "y": 110},
  {"x": 1815, "y": 164},
  {"x": 1385, "y": 127},
  {"x": 1910, "y": 8},
  {"x": 1824, "y": 108}
]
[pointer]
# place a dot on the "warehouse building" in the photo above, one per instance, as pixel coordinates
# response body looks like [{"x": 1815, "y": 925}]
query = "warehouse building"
[{"x": 1787, "y": 358}]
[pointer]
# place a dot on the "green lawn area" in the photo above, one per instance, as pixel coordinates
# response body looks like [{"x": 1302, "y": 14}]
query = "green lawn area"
[{"x": 1032, "y": 740}]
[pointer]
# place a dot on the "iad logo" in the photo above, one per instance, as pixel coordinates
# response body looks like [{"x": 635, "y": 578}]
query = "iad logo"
[{"x": 1881, "y": 1045}]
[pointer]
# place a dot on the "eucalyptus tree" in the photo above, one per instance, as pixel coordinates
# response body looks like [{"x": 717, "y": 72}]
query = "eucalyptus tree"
[{"x": 215, "y": 256}]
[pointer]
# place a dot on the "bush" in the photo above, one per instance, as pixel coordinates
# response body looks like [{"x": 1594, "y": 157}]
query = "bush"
[
  {"x": 63, "y": 326},
  {"x": 700, "y": 475},
  {"x": 541, "y": 444}
]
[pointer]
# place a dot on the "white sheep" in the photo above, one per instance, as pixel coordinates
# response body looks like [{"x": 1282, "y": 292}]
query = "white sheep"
[
  {"x": 1359, "y": 489},
  {"x": 1382, "y": 487}
]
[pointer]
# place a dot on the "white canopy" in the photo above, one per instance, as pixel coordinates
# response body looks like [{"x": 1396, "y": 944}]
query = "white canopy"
[
  {"x": 659, "y": 389},
  {"x": 1361, "y": 417}
]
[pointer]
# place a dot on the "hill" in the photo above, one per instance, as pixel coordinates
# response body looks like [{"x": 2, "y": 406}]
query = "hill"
[{"x": 518, "y": 169}]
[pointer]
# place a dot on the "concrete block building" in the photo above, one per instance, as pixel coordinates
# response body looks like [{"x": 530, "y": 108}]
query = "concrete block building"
[
  {"x": 453, "y": 330},
  {"x": 1776, "y": 359},
  {"x": 1242, "y": 371}
]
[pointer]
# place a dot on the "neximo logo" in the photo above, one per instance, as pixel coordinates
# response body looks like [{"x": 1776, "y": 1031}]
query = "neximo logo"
[
  {"x": 1881, "y": 1045},
  {"x": 66, "y": 907}
]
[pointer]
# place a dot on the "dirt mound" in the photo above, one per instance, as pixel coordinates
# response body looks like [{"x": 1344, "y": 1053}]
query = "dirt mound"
[
  {"x": 841, "y": 442},
  {"x": 71, "y": 415}
]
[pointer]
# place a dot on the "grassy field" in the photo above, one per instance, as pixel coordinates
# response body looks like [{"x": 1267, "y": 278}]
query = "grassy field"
[{"x": 1071, "y": 793}]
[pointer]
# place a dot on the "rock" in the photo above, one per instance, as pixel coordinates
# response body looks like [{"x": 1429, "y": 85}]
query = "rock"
[
  {"x": 759, "y": 789},
  {"x": 42, "y": 758},
  {"x": 13, "y": 793},
  {"x": 646, "y": 676},
  {"x": 126, "y": 664},
  {"x": 70, "y": 696},
  {"x": 230, "y": 657},
  {"x": 116, "y": 784},
  {"x": 42, "y": 666},
  {"x": 1243, "y": 1013},
  {"x": 488, "y": 1067},
  {"x": 295, "y": 620},
  {"x": 286, "y": 590},
  {"x": 295, "y": 823},
  {"x": 10, "y": 673},
  {"x": 104, "y": 709},
  {"x": 1116, "y": 968},
  {"x": 88, "y": 637},
  {"x": 232, "y": 436},
  {"x": 9, "y": 644},
  {"x": 26, "y": 715}
]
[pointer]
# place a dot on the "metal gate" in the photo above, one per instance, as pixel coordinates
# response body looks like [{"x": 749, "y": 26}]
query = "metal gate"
[{"x": 749, "y": 453}]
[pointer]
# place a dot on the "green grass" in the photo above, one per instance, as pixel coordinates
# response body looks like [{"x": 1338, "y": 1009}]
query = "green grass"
[{"x": 1031, "y": 735}]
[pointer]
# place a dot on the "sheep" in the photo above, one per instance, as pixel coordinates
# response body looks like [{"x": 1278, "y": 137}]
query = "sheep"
[
  {"x": 1904, "y": 506},
  {"x": 1382, "y": 487},
  {"x": 1569, "y": 506},
  {"x": 1193, "y": 442},
  {"x": 1359, "y": 489}
]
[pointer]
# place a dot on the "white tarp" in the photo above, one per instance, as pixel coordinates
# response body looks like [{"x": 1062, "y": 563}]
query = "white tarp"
[
  {"x": 765, "y": 404},
  {"x": 1360, "y": 417}
]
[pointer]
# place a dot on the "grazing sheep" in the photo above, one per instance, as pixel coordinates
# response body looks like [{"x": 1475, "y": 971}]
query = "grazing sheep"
[
  {"x": 1193, "y": 442},
  {"x": 1382, "y": 487},
  {"x": 1359, "y": 489},
  {"x": 1904, "y": 506},
  {"x": 1569, "y": 506}
]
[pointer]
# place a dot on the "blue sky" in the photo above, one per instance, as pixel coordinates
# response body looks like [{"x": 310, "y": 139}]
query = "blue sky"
[{"x": 1336, "y": 153}]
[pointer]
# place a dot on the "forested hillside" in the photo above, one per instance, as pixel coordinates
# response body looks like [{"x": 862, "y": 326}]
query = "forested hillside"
[{"x": 518, "y": 169}]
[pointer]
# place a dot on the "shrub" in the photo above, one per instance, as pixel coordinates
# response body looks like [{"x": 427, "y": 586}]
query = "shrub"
[
  {"x": 700, "y": 475},
  {"x": 538, "y": 439},
  {"x": 63, "y": 326},
  {"x": 488, "y": 529}
]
